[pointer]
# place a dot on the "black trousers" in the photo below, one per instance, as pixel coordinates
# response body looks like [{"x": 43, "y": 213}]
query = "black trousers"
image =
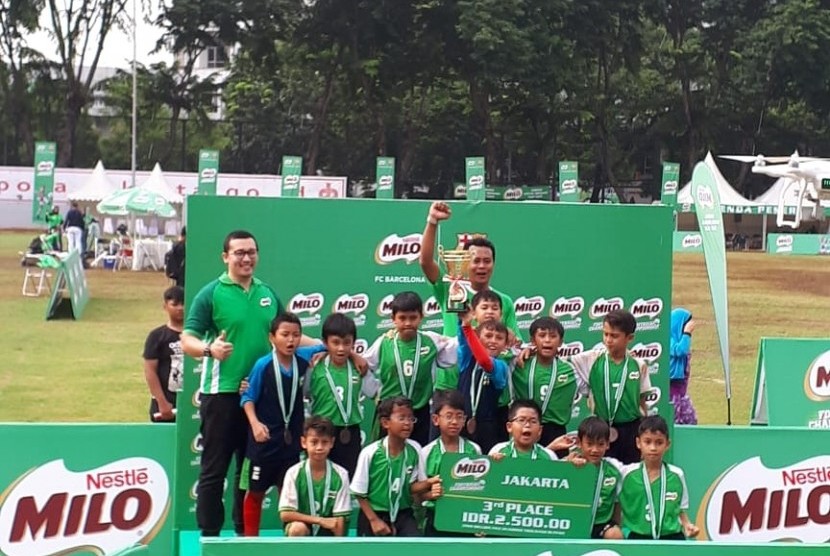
[
  {"x": 625, "y": 447},
  {"x": 224, "y": 435},
  {"x": 346, "y": 454},
  {"x": 550, "y": 432},
  {"x": 404, "y": 526},
  {"x": 487, "y": 434},
  {"x": 672, "y": 537}
]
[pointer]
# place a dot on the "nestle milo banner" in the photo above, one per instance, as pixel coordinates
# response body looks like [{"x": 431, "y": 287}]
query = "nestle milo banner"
[
  {"x": 495, "y": 547},
  {"x": 671, "y": 178},
  {"x": 515, "y": 497},
  {"x": 475, "y": 178},
  {"x": 358, "y": 271},
  {"x": 208, "y": 171},
  {"x": 518, "y": 193},
  {"x": 798, "y": 244},
  {"x": 569, "y": 181},
  {"x": 757, "y": 484},
  {"x": 86, "y": 489},
  {"x": 44, "y": 181},
  {"x": 792, "y": 383},
  {"x": 687, "y": 242},
  {"x": 292, "y": 169}
]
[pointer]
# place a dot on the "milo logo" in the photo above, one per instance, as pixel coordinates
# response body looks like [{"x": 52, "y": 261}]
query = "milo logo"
[
  {"x": 692, "y": 241},
  {"x": 513, "y": 193},
  {"x": 648, "y": 308},
  {"x": 354, "y": 304},
  {"x": 474, "y": 468},
  {"x": 817, "y": 379},
  {"x": 650, "y": 352},
  {"x": 360, "y": 346},
  {"x": 752, "y": 502},
  {"x": 569, "y": 187},
  {"x": 431, "y": 307},
  {"x": 398, "y": 248},
  {"x": 652, "y": 397},
  {"x": 460, "y": 191},
  {"x": 602, "y": 306},
  {"x": 705, "y": 196},
  {"x": 306, "y": 303},
  {"x": 208, "y": 174},
  {"x": 784, "y": 243},
  {"x": 385, "y": 306},
  {"x": 45, "y": 167},
  {"x": 290, "y": 182},
  {"x": 670, "y": 187},
  {"x": 51, "y": 510},
  {"x": 475, "y": 182},
  {"x": 385, "y": 182},
  {"x": 570, "y": 349},
  {"x": 529, "y": 306},
  {"x": 567, "y": 307}
]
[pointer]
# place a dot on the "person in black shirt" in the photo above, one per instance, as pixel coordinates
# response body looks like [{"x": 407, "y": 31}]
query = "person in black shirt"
[
  {"x": 164, "y": 358},
  {"x": 174, "y": 263},
  {"x": 74, "y": 226}
]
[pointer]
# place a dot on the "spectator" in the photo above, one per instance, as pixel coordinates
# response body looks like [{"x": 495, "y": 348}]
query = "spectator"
[
  {"x": 74, "y": 226},
  {"x": 163, "y": 358},
  {"x": 680, "y": 344}
]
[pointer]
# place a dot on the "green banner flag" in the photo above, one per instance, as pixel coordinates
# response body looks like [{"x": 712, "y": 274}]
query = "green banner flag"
[
  {"x": 569, "y": 181},
  {"x": 385, "y": 177},
  {"x": 792, "y": 383},
  {"x": 710, "y": 221},
  {"x": 292, "y": 169},
  {"x": 475, "y": 178},
  {"x": 70, "y": 293},
  {"x": 208, "y": 171},
  {"x": 45, "y": 154},
  {"x": 671, "y": 177},
  {"x": 515, "y": 497}
]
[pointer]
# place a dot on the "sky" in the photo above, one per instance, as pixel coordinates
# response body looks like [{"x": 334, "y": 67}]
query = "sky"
[{"x": 118, "y": 48}]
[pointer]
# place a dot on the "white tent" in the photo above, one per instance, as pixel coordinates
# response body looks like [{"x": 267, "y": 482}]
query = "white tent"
[
  {"x": 771, "y": 196},
  {"x": 728, "y": 196},
  {"x": 97, "y": 187},
  {"x": 157, "y": 184}
]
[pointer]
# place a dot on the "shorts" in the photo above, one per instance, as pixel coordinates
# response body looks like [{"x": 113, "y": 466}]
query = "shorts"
[
  {"x": 320, "y": 533},
  {"x": 261, "y": 475},
  {"x": 669, "y": 537},
  {"x": 598, "y": 530}
]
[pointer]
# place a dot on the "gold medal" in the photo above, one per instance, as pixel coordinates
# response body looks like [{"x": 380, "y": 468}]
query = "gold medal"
[
  {"x": 286, "y": 436},
  {"x": 614, "y": 434},
  {"x": 345, "y": 436},
  {"x": 471, "y": 425}
]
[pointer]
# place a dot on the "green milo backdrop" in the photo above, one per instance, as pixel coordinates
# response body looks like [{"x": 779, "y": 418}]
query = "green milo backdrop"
[{"x": 575, "y": 262}]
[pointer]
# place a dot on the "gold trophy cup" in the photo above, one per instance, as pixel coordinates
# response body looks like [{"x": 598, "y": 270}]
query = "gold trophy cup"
[{"x": 457, "y": 262}]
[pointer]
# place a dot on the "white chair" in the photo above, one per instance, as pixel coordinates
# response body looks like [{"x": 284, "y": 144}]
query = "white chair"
[{"x": 36, "y": 279}]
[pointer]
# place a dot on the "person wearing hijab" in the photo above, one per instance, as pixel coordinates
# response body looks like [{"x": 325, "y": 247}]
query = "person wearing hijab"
[{"x": 682, "y": 326}]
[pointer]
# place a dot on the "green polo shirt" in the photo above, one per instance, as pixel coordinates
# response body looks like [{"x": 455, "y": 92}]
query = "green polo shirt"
[{"x": 245, "y": 316}]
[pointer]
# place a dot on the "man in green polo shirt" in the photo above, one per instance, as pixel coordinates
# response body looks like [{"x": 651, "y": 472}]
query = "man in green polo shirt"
[
  {"x": 482, "y": 263},
  {"x": 227, "y": 326}
]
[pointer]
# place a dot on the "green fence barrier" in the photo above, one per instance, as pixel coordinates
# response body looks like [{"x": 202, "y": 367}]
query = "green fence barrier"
[
  {"x": 798, "y": 244},
  {"x": 86, "y": 489}
]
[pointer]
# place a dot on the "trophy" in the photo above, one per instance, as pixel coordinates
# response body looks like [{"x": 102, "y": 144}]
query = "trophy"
[{"x": 457, "y": 262}]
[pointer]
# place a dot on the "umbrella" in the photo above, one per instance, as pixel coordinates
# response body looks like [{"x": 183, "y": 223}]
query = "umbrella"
[{"x": 136, "y": 201}]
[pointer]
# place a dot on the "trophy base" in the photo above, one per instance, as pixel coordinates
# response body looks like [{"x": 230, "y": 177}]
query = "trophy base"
[{"x": 458, "y": 306}]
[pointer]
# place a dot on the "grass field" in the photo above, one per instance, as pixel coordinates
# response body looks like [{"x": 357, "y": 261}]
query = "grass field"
[{"x": 91, "y": 370}]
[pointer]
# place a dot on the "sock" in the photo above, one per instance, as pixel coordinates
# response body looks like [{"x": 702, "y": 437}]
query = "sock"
[{"x": 252, "y": 512}]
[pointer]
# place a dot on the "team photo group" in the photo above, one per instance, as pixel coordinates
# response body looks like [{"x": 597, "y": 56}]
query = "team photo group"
[{"x": 286, "y": 409}]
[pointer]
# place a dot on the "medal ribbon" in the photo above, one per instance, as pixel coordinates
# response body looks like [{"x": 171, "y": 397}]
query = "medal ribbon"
[
  {"x": 345, "y": 412},
  {"x": 295, "y": 379},
  {"x": 533, "y": 454},
  {"x": 656, "y": 527},
  {"x": 475, "y": 397},
  {"x": 531, "y": 376},
  {"x": 394, "y": 505},
  {"x": 620, "y": 387},
  {"x": 310, "y": 488},
  {"x": 415, "y": 363}
]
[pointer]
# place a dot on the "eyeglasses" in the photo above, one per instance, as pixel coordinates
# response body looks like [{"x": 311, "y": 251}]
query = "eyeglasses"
[
  {"x": 453, "y": 418},
  {"x": 521, "y": 421},
  {"x": 399, "y": 419},
  {"x": 240, "y": 253}
]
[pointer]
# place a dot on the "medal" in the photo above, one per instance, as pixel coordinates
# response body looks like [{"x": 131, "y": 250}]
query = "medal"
[
  {"x": 401, "y": 368},
  {"x": 345, "y": 436},
  {"x": 286, "y": 409},
  {"x": 531, "y": 376},
  {"x": 471, "y": 425},
  {"x": 656, "y": 527},
  {"x": 475, "y": 398},
  {"x": 612, "y": 411},
  {"x": 615, "y": 434},
  {"x": 345, "y": 412},
  {"x": 312, "y": 503}
]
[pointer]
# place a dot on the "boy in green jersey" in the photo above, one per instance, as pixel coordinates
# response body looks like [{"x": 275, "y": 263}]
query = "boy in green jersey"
[
  {"x": 390, "y": 474},
  {"x": 548, "y": 380},
  {"x": 654, "y": 498},
  {"x": 593, "y": 440},
  {"x": 405, "y": 360},
  {"x": 334, "y": 387},
  {"x": 617, "y": 383},
  {"x": 524, "y": 424},
  {"x": 448, "y": 417},
  {"x": 315, "y": 498}
]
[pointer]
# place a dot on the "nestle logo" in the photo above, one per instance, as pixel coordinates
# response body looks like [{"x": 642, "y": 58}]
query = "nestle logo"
[
  {"x": 602, "y": 307},
  {"x": 805, "y": 476},
  {"x": 116, "y": 479},
  {"x": 817, "y": 378}
]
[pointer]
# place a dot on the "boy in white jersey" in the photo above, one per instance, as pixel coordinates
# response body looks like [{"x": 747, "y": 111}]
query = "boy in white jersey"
[
  {"x": 405, "y": 360},
  {"x": 448, "y": 417},
  {"x": 617, "y": 383},
  {"x": 654, "y": 498},
  {"x": 389, "y": 474},
  {"x": 593, "y": 439},
  {"x": 315, "y": 499},
  {"x": 524, "y": 425}
]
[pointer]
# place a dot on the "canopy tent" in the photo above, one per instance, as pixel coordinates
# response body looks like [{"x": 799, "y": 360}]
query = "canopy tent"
[
  {"x": 730, "y": 200},
  {"x": 773, "y": 194},
  {"x": 158, "y": 185},
  {"x": 96, "y": 188}
]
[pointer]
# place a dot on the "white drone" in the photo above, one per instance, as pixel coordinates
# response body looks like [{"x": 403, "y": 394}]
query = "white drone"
[{"x": 809, "y": 182}]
